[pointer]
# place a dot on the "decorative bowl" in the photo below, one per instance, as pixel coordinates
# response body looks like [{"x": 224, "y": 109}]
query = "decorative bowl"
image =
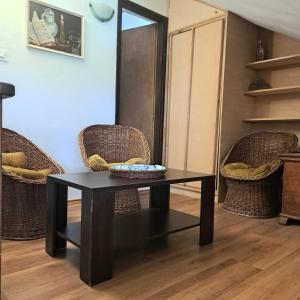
[{"x": 138, "y": 171}]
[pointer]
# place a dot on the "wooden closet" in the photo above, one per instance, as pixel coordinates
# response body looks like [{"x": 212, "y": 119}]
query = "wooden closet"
[{"x": 195, "y": 67}]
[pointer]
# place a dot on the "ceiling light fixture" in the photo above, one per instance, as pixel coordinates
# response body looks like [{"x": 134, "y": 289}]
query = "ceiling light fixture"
[{"x": 101, "y": 11}]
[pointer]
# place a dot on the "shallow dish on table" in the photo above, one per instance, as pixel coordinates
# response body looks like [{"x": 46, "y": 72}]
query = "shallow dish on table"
[{"x": 138, "y": 171}]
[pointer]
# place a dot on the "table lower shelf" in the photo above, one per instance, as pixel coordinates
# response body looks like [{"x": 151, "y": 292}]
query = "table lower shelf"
[{"x": 138, "y": 228}]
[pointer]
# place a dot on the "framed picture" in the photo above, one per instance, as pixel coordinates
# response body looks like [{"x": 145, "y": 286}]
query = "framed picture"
[{"x": 53, "y": 29}]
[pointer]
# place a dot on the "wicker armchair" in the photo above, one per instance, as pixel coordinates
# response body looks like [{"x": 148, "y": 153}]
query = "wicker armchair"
[
  {"x": 24, "y": 200},
  {"x": 116, "y": 143},
  {"x": 258, "y": 196}
]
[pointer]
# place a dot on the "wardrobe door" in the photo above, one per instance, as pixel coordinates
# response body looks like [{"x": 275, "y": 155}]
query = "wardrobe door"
[
  {"x": 179, "y": 97},
  {"x": 202, "y": 136}
]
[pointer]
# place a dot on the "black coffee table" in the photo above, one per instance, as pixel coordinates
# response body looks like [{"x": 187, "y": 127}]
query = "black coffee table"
[{"x": 100, "y": 232}]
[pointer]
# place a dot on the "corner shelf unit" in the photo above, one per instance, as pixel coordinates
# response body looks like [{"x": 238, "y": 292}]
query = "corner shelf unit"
[
  {"x": 285, "y": 61},
  {"x": 274, "y": 91},
  {"x": 279, "y": 62},
  {"x": 269, "y": 120}
]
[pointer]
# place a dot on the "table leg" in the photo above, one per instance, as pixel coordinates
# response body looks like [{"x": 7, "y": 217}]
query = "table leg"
[
  {"x": 57, "y": 196},
  {"x": 96, "y": 246},
  {"x": 207, "y": 211},
  {"x": 160, "y": 196}
]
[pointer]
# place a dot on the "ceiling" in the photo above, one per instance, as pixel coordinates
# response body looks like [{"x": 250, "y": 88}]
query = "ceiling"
[{"x": 277, "y": 15}]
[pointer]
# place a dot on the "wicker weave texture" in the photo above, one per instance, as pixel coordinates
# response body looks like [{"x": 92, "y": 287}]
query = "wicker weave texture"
[
  {"x": 260, "y": 196},
  {"x": 116, "y": 143},
  {"x": 24, "y": 200}
]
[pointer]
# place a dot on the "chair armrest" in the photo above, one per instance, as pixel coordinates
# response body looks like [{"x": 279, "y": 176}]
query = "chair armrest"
[{"x": 22, "y": 179}]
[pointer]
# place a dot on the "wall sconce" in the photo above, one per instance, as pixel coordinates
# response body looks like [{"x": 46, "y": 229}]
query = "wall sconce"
[{"x": 101, "y": 11}]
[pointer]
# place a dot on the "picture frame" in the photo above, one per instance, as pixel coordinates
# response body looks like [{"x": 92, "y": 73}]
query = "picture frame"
[{"x": 53, "y": 29}]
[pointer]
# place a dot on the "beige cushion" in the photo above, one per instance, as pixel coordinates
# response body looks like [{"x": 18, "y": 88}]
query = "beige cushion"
[
  {"x": 243, "y": 170},
  {"x": 14, "y": 159},
  {"x": 97, "y": 163},
  {"x": 26, "y": 173}
]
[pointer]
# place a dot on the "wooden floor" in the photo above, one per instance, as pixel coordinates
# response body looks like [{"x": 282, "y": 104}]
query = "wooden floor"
[{"x": 250, "y": 259}]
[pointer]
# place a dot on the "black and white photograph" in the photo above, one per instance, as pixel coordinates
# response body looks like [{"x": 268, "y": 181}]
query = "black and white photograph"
[{"x": 53, "y": 29}]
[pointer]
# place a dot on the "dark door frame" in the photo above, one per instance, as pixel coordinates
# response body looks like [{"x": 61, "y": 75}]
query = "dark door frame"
[{"x": 161, "y": 61}]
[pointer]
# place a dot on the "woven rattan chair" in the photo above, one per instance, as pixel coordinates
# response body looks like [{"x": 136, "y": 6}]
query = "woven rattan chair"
[
  {"x": 116, "y": 143},
  {"x": 258, "y": 196},
  {"x": 24, "y": 200}
]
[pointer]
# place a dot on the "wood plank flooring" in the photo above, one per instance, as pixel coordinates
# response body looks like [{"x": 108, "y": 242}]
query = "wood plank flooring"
[{"x": 250, "y": 259}]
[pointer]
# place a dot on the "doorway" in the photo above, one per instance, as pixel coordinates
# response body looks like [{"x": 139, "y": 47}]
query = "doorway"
[{"x": 141, "y": 71}]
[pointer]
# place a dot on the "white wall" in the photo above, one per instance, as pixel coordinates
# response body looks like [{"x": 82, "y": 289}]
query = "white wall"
[
  {"x": 57, "y": 95},
  {"x": 159, "y": 6}
]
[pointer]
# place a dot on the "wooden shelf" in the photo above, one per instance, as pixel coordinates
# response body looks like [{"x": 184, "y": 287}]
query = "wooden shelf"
[
  {"x": 274, "y": 91},
  {"x": 286, "y": 61},
  {"x": 265, "y": 120},
  {"x": 138, "y": 228}
]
